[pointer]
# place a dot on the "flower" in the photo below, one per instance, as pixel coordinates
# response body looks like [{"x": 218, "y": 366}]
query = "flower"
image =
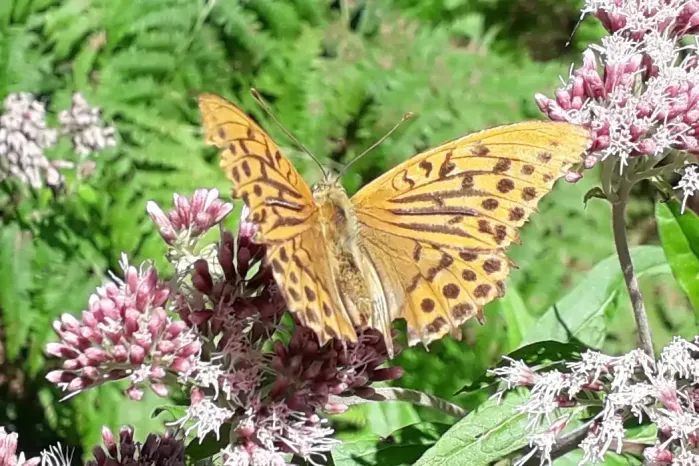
[
  {"x": 637, "y": 90},
  {"x": 245, "y": 367},
  {"x": 83, "y": 123},
  {"x": 125, "y": 333},
  {"x": 8, "y": 451},
  {"x": 689, "y": 184},
  {"x": 192, "y": 217},
  {"x": 631, "y": 385},
  {"x": 158, "y": 450},
  {"x": 23, "y": 139}
]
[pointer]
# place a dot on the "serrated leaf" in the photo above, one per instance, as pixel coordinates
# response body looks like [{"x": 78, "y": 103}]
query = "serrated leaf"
[
  {"x": 580, "y": 314},
  {"x": 679, "y": 236}
]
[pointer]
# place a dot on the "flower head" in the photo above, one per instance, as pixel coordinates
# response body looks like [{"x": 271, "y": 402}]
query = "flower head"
[
  {"x": 637, "y": 90},
  {"x": 125, "y": 333},
  {"x": 83, "y": 124},
  {"x": 23, "y": 139}
]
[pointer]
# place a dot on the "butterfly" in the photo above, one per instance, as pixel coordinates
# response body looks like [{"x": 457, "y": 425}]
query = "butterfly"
[{"x": 424, "y": 242}]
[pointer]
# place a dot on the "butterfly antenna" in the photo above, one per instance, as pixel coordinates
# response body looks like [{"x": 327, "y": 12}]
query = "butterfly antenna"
[
  {"x": 405, "y": 118},
  {"x": 266, "y": 108}
]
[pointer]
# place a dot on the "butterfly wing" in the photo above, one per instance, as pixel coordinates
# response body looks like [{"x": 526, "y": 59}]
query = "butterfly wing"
[
  {"x": 282, "y": 206},
  {"x": 436, "y": 227}
]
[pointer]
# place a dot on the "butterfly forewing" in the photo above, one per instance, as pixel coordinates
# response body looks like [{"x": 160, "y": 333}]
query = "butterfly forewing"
[
  {"x": 280, "y": 201},
  {"x": 282, "y": 206},
  {"x": 439, "y": 223}
]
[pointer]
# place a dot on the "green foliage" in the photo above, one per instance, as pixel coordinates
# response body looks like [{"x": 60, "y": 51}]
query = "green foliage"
[{"x": 679, "y": 235}]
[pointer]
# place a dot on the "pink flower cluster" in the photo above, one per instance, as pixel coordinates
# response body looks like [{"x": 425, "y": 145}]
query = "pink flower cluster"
[
  {"x": 639, "y": 89},
  {"x": 240, "y": 360},
  {"x": 191, "y": 217},
  {"x": 125, "y": 333},
  {"x": 664, "y": 392}
]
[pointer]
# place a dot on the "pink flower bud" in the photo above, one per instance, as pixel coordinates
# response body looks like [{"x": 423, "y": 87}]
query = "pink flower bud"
[
  {"x": 180, "y": 365},
  {"x": 161, "y": 222},
  {"x": 573, "y": 176},
  {"x": 159, "y": 389},
  {"x": 134, "y": 393},
  {"x": 137, "y": 354},
  {"x": 335, "y": 408},
  {"x": 60, "y": 350},
  {"x": 389, "y": 373},
  {"x": 59, "y": 376}
]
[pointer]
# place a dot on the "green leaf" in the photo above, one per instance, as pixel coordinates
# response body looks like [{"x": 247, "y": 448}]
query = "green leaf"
[
  {"x": 580, "y": 314},
  {"x": 517, "y": 317},
  {"x": 487, "y": 434},
  {"x": 16, "y": 256},
  {"x": 594, "y": 193},
  {"x": 176, "y": 411},
  {"x": 387, "y": 417},
  {"x": 402, "y": 447},
  {"x": 679, "y": 236},
  {"x": 197, "y": 451}
]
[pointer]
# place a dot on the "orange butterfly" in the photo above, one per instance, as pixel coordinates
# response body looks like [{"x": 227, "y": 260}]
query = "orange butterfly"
[{"x": 425, "y": 241}]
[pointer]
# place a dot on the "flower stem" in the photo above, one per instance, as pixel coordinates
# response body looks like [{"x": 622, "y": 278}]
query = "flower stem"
[{"x": 622, "y": 248}]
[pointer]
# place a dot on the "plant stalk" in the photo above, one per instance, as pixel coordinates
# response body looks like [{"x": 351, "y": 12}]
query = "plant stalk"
[{"x": 622, "y": 248}]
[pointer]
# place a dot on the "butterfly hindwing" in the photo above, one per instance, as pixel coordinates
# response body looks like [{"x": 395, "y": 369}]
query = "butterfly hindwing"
[
  {"x": 439, "y": 223},
  {"x": 282, "y": 206}
]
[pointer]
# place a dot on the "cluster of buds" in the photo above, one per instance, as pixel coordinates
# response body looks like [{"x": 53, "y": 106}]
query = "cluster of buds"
[
  {"x": 24, "y": 137},
  {"x": 84, "y": 125},
  {"x": 664, "y": 392},
  {"x": 638, "y": 90},
  {"x": 125, "y": 333},
  {"x": 242, "y": 363},
  {"x": 157, "y": 450}
]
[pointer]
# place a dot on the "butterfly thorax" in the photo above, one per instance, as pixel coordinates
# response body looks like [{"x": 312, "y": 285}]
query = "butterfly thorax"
[{"x": 340, "y": 229}]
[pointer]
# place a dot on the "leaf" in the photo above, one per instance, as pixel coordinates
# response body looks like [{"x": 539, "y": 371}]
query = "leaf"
[
  {"x": 402, "y": 447},
  {"x": 415, "y": 397},
  {"x": 176, "y": 411},
  {"x": 580, "y": 314},
  {"x": 16, "y": 256},
  {"x": 384, "y": 418},
  {"x": 487, "y": 434},
  {"x": 679, "y": 236},
  {"x": 517, "y": 317},
  {"x": 594, "y": 193},
  {"x": 196, "y": 451}
]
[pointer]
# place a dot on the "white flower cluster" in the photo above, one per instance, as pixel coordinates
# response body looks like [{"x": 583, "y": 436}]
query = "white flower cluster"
[
  {"x": 664, "y": 392},
  {"x": 84, "y": 124},
  {"x": 23, "y": 138}
]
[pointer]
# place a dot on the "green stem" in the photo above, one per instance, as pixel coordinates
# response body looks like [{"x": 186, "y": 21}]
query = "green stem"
[{"x": 622, "y": 247}]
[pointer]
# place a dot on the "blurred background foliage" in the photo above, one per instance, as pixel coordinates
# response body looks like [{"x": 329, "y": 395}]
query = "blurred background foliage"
[{"x": 339, "y": 75}]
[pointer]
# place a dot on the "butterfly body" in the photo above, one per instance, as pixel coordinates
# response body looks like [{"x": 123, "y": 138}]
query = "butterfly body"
[
  {"x": 424, "y": 242},
  {"x": 352, "y": 272}
]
